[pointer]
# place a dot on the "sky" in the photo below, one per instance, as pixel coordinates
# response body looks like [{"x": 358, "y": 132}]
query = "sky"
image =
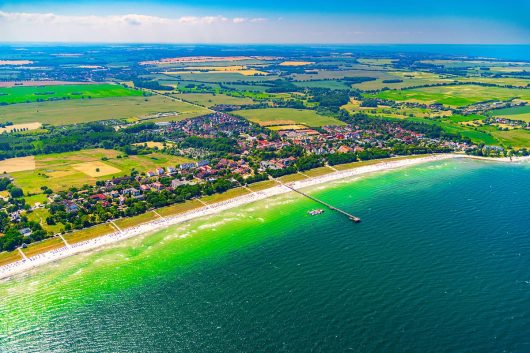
[{"x": 269, "y": 21}]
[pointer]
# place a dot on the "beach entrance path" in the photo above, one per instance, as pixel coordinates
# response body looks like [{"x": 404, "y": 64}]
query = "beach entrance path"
[
  {"x": 22, "y": 254},
  {"x": 64, "y": 240},
  {"x": 116, "y": 226}
]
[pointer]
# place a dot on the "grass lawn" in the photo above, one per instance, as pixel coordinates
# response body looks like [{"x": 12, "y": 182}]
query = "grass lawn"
[
  {"x": 136, "y": 220},
  {"x": 300, "y": 116},
  {"x": 209, "y": 100},
  {"x": 39, "y": 215},
  {"x": 291, "y": 177},
  {"x": 374, "y": 161},
  {"x": 26, "y": 94},
  {"x": 9, "y": 257},
  {"x": 60, "y": 171},
  {"x": 43, "y": 246},
  {"x": 179, "y": 208},
  {"x": 89, "y": 233},
  {"x": 262, "y": 185},
  {"x": 455, "y": 96},
  {"x": 79, "y": 111},
  {"x": 225, "y": 195},
  {"x": 318, "y": 171}
]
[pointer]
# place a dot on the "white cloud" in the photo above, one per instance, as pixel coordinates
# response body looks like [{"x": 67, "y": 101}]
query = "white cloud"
[
  {"x": 205, "y": 20},
  {"x": 53, "y": 27},
  {"x": 129, "y": 19}
]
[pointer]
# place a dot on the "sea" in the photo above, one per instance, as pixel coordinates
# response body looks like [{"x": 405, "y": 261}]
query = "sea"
[{"x": 439, "y": 263}]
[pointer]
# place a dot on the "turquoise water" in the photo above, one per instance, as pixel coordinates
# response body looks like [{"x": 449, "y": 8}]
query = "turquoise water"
[{"x": 440, "y": 263}]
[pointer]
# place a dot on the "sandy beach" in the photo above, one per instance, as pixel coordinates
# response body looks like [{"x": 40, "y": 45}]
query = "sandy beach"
[{"x": 21, "y": 266}]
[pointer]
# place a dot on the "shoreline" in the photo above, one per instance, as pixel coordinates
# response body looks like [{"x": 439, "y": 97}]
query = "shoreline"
[{"x": 33, "y": 262}]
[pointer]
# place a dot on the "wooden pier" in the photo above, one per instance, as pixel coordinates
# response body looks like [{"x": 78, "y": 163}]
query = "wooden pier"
[{"x": 333, "y": 208}]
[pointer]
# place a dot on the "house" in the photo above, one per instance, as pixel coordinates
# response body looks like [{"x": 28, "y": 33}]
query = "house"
[
  {"x": 160, "y": 171},
  {"x": 171, "y": 170},
  {"x": 144, "y": 188},
  {"x": 151, "y": 173},
  {"x": 157, "y": 186},
  {"x": 185, "y": 166},
  {"x": 177, "y": 182},
  {"x": 203, "y": 163},
  {"x": 344, "y": 149},
  {"x": 137, "y": 194},
  {"x": 358, "y": 149},
  {"x": 100, "y": 197},
  {"x": 114, "y": 193},
  {"x": 26, "y": 232},
  {"x": 71, "y": 207}
]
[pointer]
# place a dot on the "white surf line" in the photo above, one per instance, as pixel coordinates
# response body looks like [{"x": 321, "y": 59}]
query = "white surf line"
[
  {"x": 22, "y": 253},
  {"x": 64, "y": 241},
  {"x": 158, "y": 214},
  {"x": 116, "y": 226},
  {"x": 22, "y": 265}
]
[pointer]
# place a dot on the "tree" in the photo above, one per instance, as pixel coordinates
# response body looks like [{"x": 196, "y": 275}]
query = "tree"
[{"x": 16, "y": 192}]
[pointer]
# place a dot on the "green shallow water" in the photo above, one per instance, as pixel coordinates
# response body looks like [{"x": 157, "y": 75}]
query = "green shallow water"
[{"x": 440, "y": 263}]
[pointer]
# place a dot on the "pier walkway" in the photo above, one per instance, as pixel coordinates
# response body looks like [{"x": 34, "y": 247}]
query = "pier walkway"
[{"x": 333, "y": 208}]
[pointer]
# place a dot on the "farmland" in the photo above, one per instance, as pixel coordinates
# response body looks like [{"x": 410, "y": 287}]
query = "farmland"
[
  {"x": 64, "y": 170},
  {"x": 79, "y": 111},
  {"x": 209, "y": 100},
  {"x": 515, "y": 113},
  {"x": 21, "y": 127},
  {"x": 454, "y": 96},
  {"x": 280, "y": 115},
  {"x": 354, "y": 106},
  {"x": 17, "y": 164},
  {"x": 23, "y": 94},
  {"x": 62, "y": 131}
]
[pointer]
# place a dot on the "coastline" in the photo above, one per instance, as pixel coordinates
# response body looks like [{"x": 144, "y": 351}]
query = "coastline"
[{"x": 24, "y": 265}]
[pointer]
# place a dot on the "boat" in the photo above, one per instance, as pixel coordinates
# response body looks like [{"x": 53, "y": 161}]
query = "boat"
[{"x": 315, "y": 212}]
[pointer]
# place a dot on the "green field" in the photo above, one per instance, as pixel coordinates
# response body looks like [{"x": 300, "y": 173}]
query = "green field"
[
  {"x": 514, "y": 138},
  {"x": 299, "y": 116},
  {"x": 408, "y": 79},
  {"x": 26, "y": 94},
  {"x": 60, "y": 171},
  {"x": 209, "y": 100},
  {"x": 454, "y": 96},
  {"x": 331, "y": 84},
  {"x": 89, "y": 233},
  {"x": 514, "y": 113},
  {"x": 79, "y": 111},
  {"x": 220, "y": 77}
]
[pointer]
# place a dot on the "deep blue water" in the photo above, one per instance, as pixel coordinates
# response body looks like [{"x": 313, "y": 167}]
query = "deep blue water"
[{"x": 440, "y": 263}]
